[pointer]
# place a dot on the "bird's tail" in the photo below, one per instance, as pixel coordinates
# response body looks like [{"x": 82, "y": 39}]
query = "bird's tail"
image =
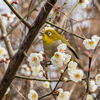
[{"x": 74, "y": 52}]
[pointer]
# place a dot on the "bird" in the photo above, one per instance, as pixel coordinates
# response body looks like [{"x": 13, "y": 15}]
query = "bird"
[{"x": 51, "y": 40}]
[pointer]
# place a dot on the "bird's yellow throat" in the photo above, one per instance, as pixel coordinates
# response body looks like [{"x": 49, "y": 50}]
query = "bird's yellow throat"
[{"x": 46, "y": 40}]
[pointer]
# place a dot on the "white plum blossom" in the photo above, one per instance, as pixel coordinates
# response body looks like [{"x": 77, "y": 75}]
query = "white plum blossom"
[
  {"x": 76, "y": 75},
  {"x": 92, "y": 86},
  {"x": 62, "y": 47},
  {"x": 25, "y": 70},
  {"x": 96, "y": 38},
  {"x": 56, "y": 63},
  {"x": 33, "y": 95},
  {"x": 71, "y": 67},
  {"x": 67, "y": 58},
  {"x": 63, "y": 95},
  {"x": 97, "y": 78},
  {"x": 34, "y": 59},
  {"x": 46, "y": 84},
  {"x": 7, "y": 91},
  {"x": 39, "y": 55},
  {"x": 83, "y": 3},
  {"x": 91, "y": 43},
  {"x": 90, "y": 96},
  {"x": 38, "y": 70},
  {"x": 3, "y": 52},
  {"x": 10, "y": 18},
  {"x": 58, "y": 56}
]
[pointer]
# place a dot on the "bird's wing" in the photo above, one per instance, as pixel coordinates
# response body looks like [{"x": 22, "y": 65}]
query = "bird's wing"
[{"x": 70, "y": 47}]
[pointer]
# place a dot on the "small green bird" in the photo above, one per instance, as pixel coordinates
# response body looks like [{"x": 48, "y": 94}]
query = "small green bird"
[{"x": 51, "y": 39}]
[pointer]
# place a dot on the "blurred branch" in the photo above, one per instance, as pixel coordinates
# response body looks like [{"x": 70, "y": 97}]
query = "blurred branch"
[
  {"x": 17, "y": 91},
  {"x": 97, "y": 4},
  {"x": 30, "y": 7},
  {"x": 73, "y": 39},
  {"x": 65, "y": 30},
  {"x": 88, "y": 78},
  {"x": 72, "y": 89},
  {"x": 6, "y": 39},
  {"x": 17, "y": 14},
  {"x": 68, "y": 13},
  {"x": 65, "y": 2},
  {"x": 17, "y": 59},
  {"x": 57, "y": 10},
  {"x": 71, "y": 10}
]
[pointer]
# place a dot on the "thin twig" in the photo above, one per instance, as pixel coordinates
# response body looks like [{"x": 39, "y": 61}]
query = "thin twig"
[
  {"x": 18, "y": 91},
  {"x": 6, "y": 39},
  {"x": 72, "y": 89},
  {"x": 29, "y": 78},
  {"x": 17, "y": 14},
  {"x": 55, "y": 86},
  {"x": 90, "y": 63},
  {"x": 65, "y": 30}
]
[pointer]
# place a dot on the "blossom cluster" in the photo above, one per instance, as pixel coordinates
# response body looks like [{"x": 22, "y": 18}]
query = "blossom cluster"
[
  {"x": 34, "y": 67},
  {"x": 60, "y": 57},
  {"x": 74, "y": 73},
  {"x": 93, "y": 87}
]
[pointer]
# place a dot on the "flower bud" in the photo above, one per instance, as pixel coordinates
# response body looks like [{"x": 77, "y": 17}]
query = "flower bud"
[
  {"x": 62, "y": 71},
  {"x": 65, "y": 79}
]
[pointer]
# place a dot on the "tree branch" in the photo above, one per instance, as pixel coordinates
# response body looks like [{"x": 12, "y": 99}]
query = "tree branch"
[
  {"x": 18, "y": 57},
  {"x": 6, "y": 39}
]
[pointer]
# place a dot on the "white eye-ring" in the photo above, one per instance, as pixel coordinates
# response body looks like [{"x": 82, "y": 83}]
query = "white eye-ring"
[{"x": 49, "y": 33}]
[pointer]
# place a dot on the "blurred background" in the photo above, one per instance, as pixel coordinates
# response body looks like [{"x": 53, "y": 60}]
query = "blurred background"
[{"x": 84, "y": 22}]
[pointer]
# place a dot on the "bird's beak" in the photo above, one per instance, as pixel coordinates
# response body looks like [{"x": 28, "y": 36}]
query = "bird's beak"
[{"x": 42, "y": 33}]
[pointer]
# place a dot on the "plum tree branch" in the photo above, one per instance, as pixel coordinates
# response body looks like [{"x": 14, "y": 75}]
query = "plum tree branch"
[
  {"x": 6, "y": 39},
  {"x": 17, "y": 59}
]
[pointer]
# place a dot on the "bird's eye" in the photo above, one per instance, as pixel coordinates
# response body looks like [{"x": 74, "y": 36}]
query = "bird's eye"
[{"x": 49, "y": 33}]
